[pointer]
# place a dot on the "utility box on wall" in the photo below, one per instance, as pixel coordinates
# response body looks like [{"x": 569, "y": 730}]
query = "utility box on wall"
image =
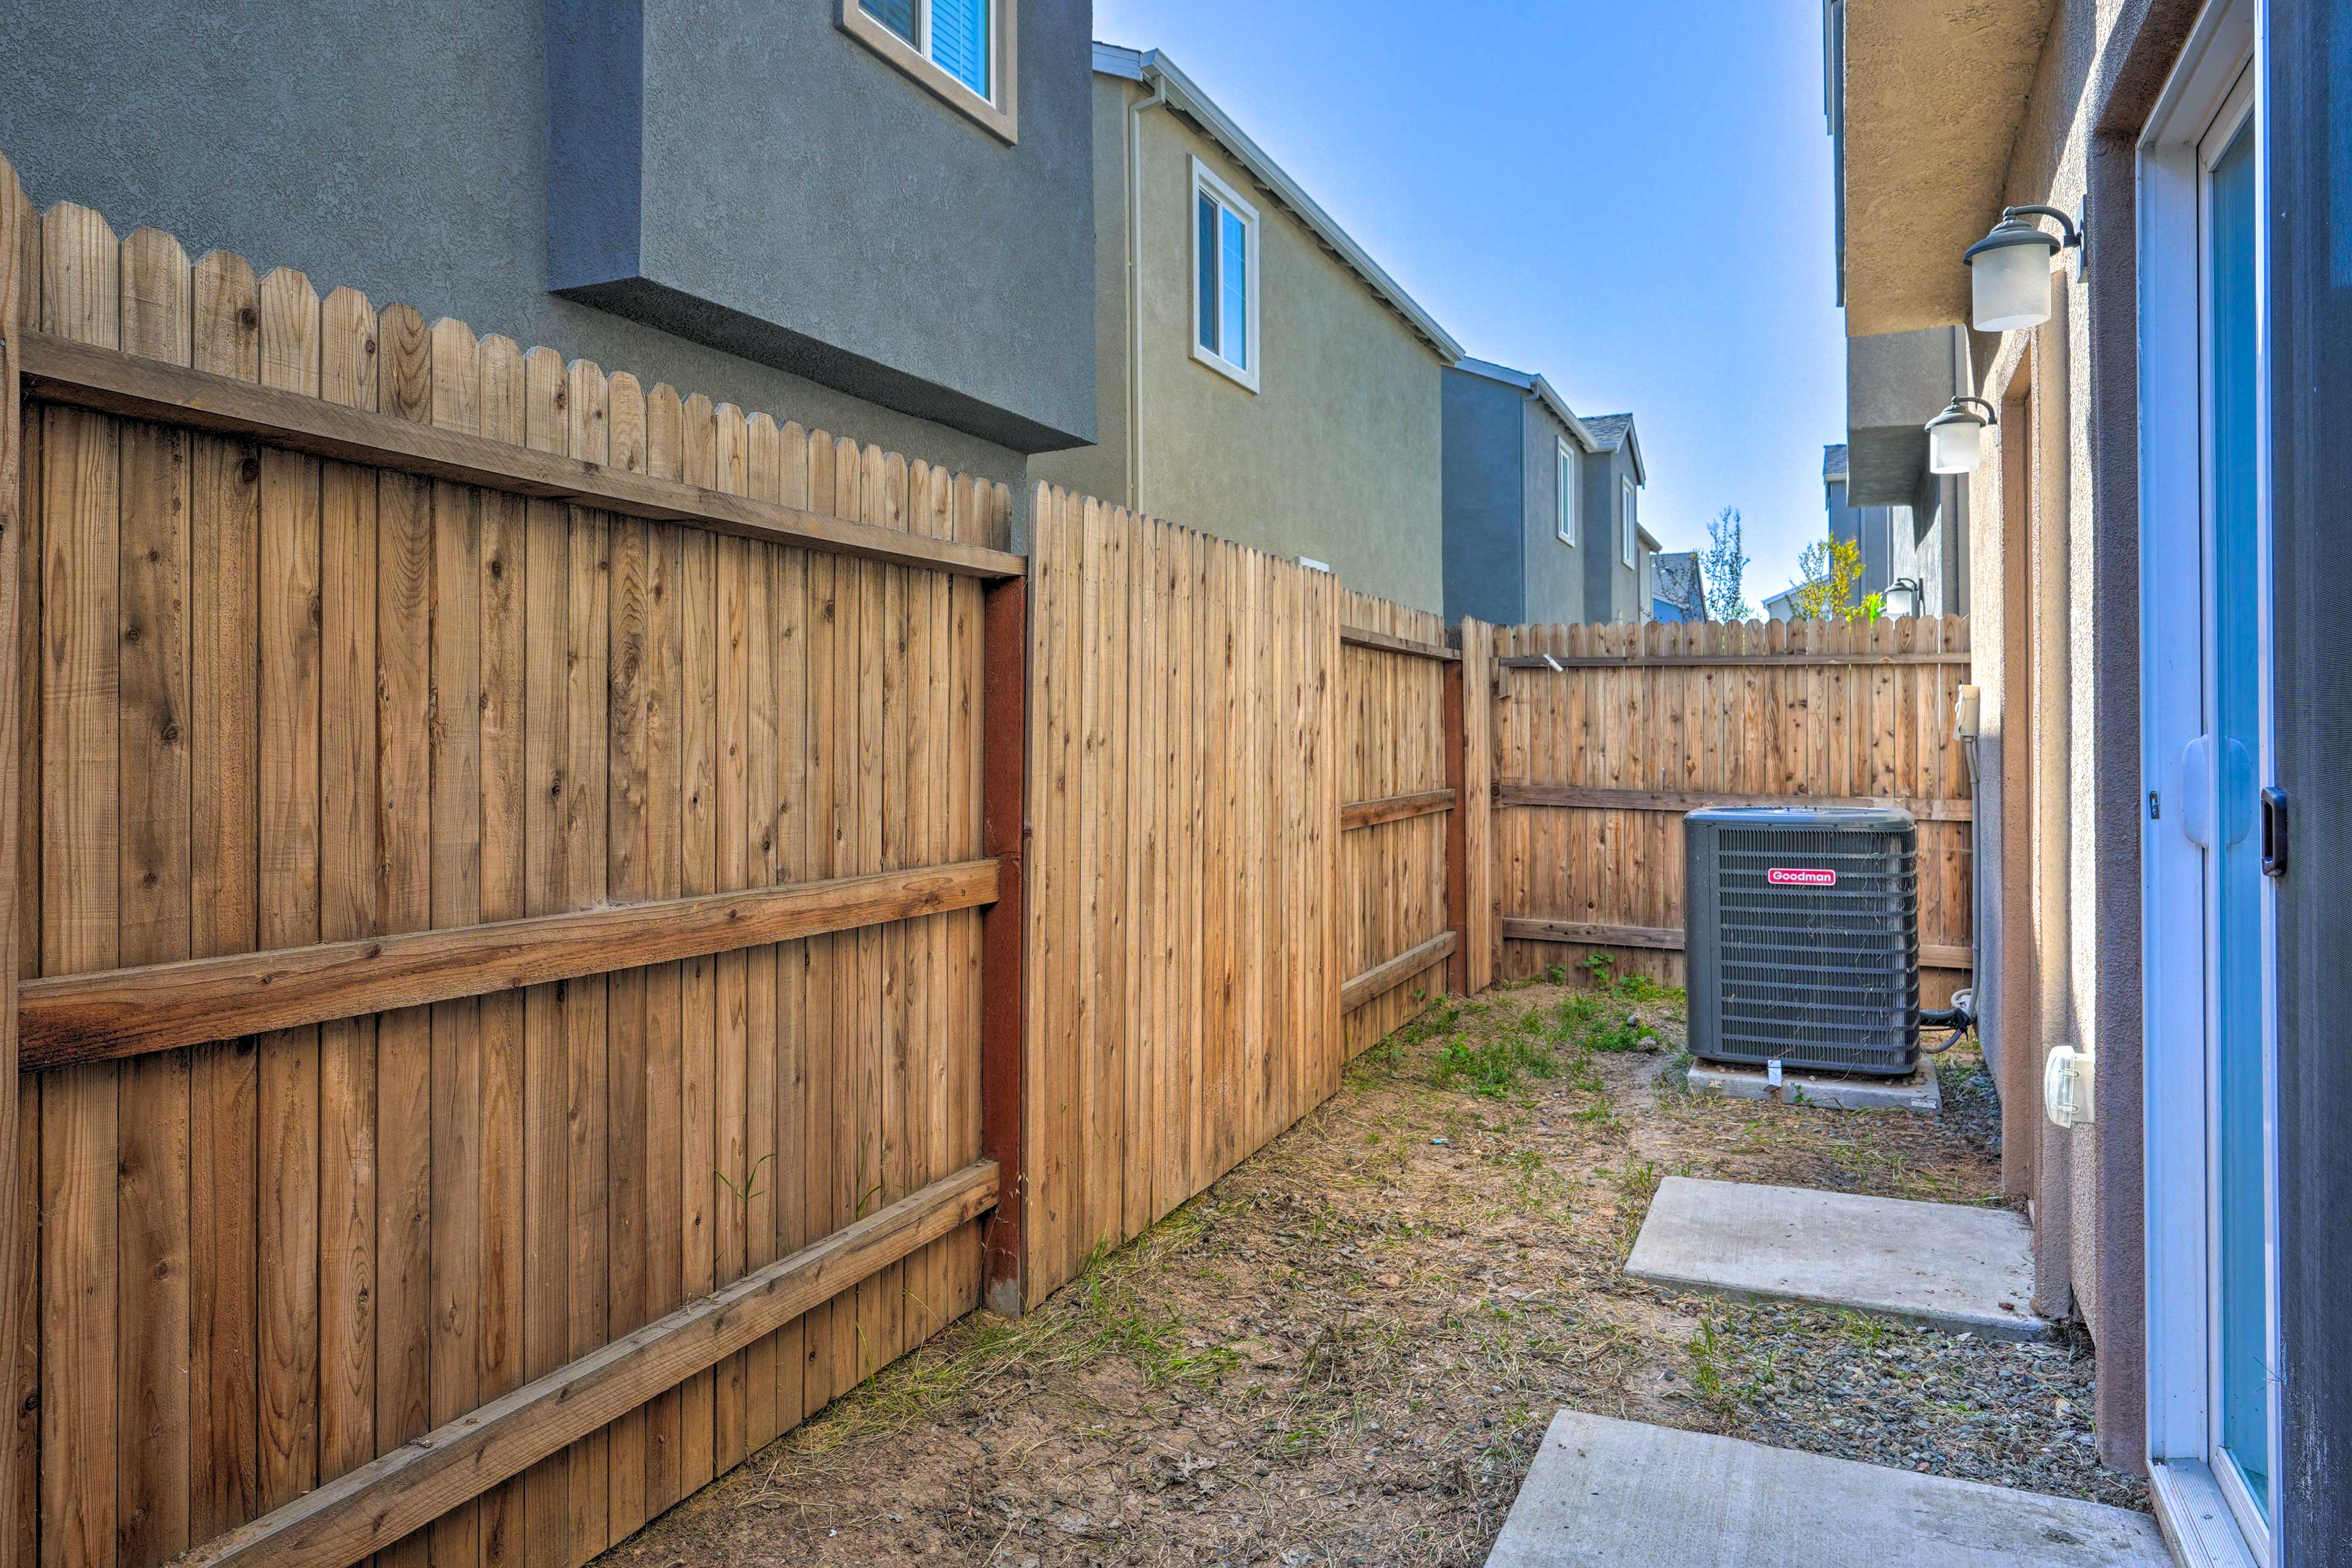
[{"x": 1801, "y": 929}]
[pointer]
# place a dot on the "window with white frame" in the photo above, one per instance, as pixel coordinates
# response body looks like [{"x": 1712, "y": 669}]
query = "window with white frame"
[
  {"x": 960, "y": 50},
  {"x": 1224, "y": 278},
  {"x": 1626, "y": 507},
  {"x": 1569, "y": 475}
]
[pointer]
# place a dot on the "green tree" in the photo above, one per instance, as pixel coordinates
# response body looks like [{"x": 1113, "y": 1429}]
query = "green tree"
[
  {"x": 1829, "y": 569},
  {"x": 1722, "y": 565}
]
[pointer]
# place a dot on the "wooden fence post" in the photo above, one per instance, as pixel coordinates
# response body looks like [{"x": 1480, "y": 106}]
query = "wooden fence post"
[
  {"x": 15, "y": 312},
  {"x": 1458, "y": 834},
  {"x": 1005, "y": 831}
]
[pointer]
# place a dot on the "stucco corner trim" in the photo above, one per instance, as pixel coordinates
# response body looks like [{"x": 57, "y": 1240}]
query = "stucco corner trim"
[{"x": 1001, "y": 116}]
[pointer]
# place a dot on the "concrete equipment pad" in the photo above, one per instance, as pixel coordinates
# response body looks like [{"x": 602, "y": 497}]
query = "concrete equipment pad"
[
  {"x": 1921, "y": 1091},
  {"x": 1623, "y": 1494},
  {"x": 1942, "y": 1266}
]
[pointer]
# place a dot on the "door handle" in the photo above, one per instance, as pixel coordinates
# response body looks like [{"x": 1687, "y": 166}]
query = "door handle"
[
  {"x": 2211, "y": 823},
  {"x": 2274, "y": 820}
]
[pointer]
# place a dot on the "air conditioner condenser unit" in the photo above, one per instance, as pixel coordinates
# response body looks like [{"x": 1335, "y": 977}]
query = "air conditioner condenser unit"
[{"x": 1801, "y": 931}]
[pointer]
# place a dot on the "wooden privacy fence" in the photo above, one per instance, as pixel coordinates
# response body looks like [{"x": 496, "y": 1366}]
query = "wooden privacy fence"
[
  {"x": 557, "y": 926},
  {"x": 499, "y": 938},
  {"x": 1606, "y": 735}
]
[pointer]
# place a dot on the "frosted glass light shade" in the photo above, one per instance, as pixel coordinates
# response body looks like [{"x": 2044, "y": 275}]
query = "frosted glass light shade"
[
  {"x": 2009, "y": 285},
  {"x": 1953, "y": 444}
]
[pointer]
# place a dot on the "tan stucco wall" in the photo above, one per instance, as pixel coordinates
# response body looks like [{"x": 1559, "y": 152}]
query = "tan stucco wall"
[
  {"x": 1335, "y": 458},
  {"x": 1935, "y": 91},
  {"x": 2068, "y": 939}
]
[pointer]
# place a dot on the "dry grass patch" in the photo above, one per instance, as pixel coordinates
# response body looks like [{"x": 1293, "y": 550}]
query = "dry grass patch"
[{"x": 1344, "y": 1352}]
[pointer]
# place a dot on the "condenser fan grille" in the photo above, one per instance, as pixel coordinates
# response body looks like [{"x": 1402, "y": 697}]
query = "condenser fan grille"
[{"x": 1803, "y": 937}]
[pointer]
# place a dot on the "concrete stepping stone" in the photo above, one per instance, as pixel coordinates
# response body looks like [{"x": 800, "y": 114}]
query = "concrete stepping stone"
[
  {"x": 1623, "y": 1493},
  {"x": 1941, "y": 1266}
]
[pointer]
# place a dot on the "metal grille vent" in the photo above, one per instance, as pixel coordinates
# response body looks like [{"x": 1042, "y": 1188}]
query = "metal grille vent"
[{"x": 1802, "y": 933}]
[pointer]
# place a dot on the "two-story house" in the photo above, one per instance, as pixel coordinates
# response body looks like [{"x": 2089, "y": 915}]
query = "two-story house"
[
  {"x": 1542, "y": 508},
  {"x": 1262, "y": 378}
]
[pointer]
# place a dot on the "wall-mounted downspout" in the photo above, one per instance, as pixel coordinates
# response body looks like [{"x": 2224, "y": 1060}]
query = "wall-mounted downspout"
[{"x": 1134, "y": 129}]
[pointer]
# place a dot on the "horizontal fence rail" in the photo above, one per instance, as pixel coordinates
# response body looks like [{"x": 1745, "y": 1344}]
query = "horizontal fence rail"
[
  {"x": 376, "y": 1505},
  {"x": 1395, "y": 808},
  {"x": 1680, "y": 802},
  {"x": 81, "y": 376},
  {"x": 124, "y": 1012}
]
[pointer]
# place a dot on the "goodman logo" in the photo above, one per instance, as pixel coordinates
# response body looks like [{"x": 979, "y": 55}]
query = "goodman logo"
[{"x": 1800, "y": 877}]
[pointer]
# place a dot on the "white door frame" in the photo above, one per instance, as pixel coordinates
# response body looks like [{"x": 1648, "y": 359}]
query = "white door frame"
[{"x": 2223, "y": 58}]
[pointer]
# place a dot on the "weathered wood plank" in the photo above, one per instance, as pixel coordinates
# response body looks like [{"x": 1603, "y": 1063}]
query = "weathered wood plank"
[
  {"x": 1382, "y": 978},
  {"x": 118, "y": 1013},
  {"x": 1677, "y": 801},
  {"x": 1563, "y": 661},
  {"x": 1394, "y": 808},
  {"x": 1670, "y": 939},
  {"x": 1387, "y": 642}
]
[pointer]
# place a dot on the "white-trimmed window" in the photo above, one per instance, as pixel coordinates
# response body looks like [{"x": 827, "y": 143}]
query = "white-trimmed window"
[
  {"x": 1568, "y": 473},
  {"x": 1224, "y": 278},
  {"x": 1626, "y": 523},
  {"x": 960, "y": 50}
]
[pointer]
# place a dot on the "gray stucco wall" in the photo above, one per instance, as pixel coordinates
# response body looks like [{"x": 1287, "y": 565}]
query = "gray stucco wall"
[
  {"x": 400, "y": 148},
  {"x": 1339, "y": 455},
  {"x": 1554, "y": 572},
  {"x": 1612, "y": 588},
  {"x": 1486, "y": 504},
  {"x": 1101, "y": 470},
  {"x": 792, "y": 196},
  {"x": 1871, "y": 529}
]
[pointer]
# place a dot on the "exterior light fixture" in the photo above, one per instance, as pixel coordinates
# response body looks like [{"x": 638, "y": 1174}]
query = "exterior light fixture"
[
  {"x": 1956, "y": 436},
  {"x": 2009, "y": 269}
]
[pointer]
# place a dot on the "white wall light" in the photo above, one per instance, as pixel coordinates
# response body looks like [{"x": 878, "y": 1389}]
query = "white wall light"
[
  {"x": 2009, "y": 269},
  {"x": 1956, "y": 436}
]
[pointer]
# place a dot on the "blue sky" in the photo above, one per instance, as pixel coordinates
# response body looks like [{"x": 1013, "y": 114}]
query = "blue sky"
[{"x": 1631, "y": 197}]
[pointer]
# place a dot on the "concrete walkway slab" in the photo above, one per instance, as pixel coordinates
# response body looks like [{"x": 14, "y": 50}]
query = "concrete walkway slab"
[
  {"x": 1942, "y": 1266},
  {"x": 1921, "y": 1092},
  {"x": 1604, "y": 1493}
]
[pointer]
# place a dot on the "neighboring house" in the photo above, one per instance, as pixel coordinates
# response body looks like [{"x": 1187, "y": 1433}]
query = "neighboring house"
[
  {"x": 1869, "y": 529},
  {"x": 1677, "y": 587},
  {"x": 1782, "y": 606},
  {"x": 1541, "y": 516},
  {"x": 1262, "y": 378},
  {"x": 2154, "y": 544},
  {"x": 790, "y": 206}
]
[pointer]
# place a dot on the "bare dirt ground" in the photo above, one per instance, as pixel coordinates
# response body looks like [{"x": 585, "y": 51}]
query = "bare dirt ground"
[{"x": 1346, "y": 1351}]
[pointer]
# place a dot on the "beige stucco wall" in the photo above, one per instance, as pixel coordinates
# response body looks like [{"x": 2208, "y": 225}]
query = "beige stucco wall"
[
  {"x": 2067, "y": 939},
  {"x": 1335, "y": 457},
  {"x": 1934, "y": 90}
]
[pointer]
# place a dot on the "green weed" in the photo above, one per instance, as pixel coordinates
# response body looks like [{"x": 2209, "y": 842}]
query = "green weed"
[{"x": 1494, "y": 1069}]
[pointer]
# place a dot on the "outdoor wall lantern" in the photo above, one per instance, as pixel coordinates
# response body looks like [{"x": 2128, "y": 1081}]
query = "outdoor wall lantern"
[
  {"x": 2009, "y": 269},
  {"x": 1956, "y": 436}
]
